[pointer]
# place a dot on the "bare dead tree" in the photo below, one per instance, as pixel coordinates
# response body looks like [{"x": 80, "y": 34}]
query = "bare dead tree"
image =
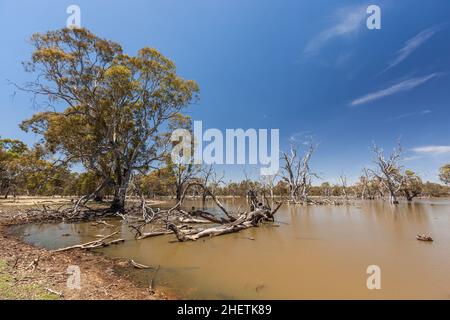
[
  {"x": 343, "y": 179},
  {"x": 388, "y": 170},
  {"x": 258, "y": 214},
  {"x": 296, "y": 172},
  {"x": 367, "y": 186},
  {"x": 268, "y": 183},
  {"x": 210, "y": 178},
  {"x": 291, "y": 172},
  {"x": 183, "y": 174}
]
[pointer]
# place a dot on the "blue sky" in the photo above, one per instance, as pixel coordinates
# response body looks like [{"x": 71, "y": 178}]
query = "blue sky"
[{"x": 305, "y": 67}]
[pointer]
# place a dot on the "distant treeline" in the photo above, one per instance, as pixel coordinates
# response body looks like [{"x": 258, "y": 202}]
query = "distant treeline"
[{"x": 26, "y": 171}]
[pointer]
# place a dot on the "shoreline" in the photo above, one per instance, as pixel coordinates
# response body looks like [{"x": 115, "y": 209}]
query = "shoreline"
[{"x": 30, "y": 272}]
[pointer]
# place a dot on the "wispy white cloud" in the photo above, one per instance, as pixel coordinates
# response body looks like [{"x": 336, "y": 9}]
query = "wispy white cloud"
[
  {"x": 412, "y": 45},
  {"x": 301, "y": 136},
  {"x": 404, "y": 85},
  {"x": 412, "y": 158},
  {"x": 411, "y": 114},
  {"x": 346, "y": 20},
  {"x": 432, "y": 150}
]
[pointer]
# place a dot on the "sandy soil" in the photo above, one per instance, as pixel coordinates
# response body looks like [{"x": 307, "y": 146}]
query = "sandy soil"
[{"x": 28, "y": 272}]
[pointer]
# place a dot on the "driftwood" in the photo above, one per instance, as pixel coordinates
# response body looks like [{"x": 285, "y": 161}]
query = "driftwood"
[
  {"x": 60, "y": 294},
  {"x": 92, "y": 244},
  {"x": 193, "y": 220},
  {"x": 117, "y": 241},
  {"x": 139, "y": 265},
  {"x": 260, "y": 212},
  {"x": 424, "y": 237},
  {"x": 244, "y": 221},
  {"x": 153, "y": 234},
  {"x": 102, "y": 222},
  {"x": 173, "y": 220}
]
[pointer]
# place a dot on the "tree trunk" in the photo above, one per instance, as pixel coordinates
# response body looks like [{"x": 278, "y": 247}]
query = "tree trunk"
[
  {"x": 410, "y": 195},
  {"x": 120, "y": 193},
  {"x": 292, "y": 193},
  {"x": 179, "y": 191},
  {"x": 7, "y": 193},
  {"x": 118, "y": 202},
  {"x": 393, "y": 198}
]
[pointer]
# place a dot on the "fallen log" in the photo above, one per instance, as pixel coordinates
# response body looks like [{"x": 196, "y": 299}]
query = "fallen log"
[
  {"x": 244, "y": 221},
  {"x": 152, "y": 234},
  {"x": 90, "y": 244},
  {"x": 193, "y": 220},
  {"x": 103, "y": 223}
]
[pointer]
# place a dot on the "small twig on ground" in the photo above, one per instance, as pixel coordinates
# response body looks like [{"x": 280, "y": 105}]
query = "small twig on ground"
[
  {"x": 151, "y": 286},
  {"x": 60, "y": 294},
  {"x": 139, "y": 265}
]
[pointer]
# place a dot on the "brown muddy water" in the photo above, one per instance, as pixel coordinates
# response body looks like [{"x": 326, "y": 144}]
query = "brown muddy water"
[{"x": 315, "y": 252}]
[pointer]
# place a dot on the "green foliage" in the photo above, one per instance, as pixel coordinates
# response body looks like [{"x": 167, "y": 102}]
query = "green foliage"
[
  {"x": 435, "y": 190},
  {"x": 26, "y": 171},
  {"x": 117, "y": 106},
  {"x": 444, "y": 174}
]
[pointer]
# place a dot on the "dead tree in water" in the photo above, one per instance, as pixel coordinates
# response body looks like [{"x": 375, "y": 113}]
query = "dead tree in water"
[
  {"x": 260, "y": 212},
  {"x": 268, "y": 183},
  {"x": 297, "y": 174},
  {"x": 225, "y": 223},
  {"x": 210, "y": 179},
  {"x": 388, "y": 171},
  {"x": 343, "y": 179}
]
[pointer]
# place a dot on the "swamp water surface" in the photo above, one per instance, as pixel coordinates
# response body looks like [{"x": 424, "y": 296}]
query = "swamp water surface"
[{"x": 314, "y": 252}]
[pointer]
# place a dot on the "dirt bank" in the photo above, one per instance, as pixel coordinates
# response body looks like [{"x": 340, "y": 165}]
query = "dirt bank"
[{"x": 28, "y": 272}]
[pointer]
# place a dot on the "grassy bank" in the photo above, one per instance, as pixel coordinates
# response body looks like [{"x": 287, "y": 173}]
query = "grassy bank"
[{"x": 16, "y": 286}]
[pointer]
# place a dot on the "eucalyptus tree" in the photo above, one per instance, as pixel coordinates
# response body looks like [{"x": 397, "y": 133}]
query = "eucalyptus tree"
[
  {"x": 11, "y": 151},
  {"x": 444, "y": 174},
  {"x": 411, "y": 185},
  {"x": 109, "y": 110}
]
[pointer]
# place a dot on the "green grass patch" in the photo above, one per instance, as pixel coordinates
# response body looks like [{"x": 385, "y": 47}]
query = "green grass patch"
[{"x": 11, "y": 290}]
